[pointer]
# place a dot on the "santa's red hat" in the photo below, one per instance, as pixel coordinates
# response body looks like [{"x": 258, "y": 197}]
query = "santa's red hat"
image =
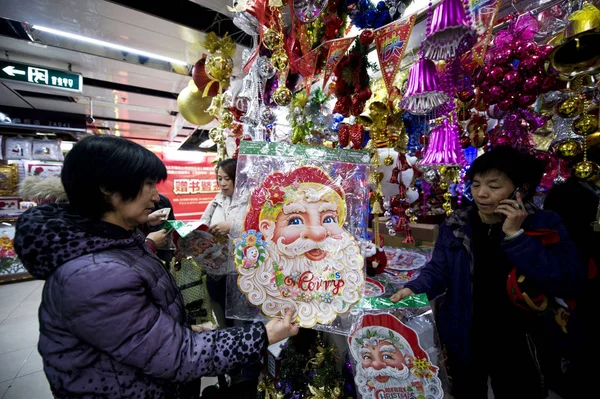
[
  {"x": 386, "y": 327},
  {"x": 271, "y": 191}
]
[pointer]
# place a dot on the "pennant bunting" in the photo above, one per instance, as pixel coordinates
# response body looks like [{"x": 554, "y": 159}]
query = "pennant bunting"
[
  {"x": 391, "y": 41},
  {"x": 484, "y": 13},
  {"x": 337, "y": 49}
]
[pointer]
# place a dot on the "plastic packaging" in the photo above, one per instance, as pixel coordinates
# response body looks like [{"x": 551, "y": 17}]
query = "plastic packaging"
[
  {"x": 47, "y": 150},
  {"x": 18, "y": 148},
  {"x": 395, "y": 350},
  {"x": 298, "y": 247},
  {"x": 208, "y": 251}
]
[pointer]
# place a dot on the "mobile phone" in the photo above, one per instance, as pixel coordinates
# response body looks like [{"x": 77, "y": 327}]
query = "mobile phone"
[{"x": 514, "y": 194}]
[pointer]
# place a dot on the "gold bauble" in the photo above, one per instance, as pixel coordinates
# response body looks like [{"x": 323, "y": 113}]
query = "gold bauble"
[
  {"x": 280, "y": 60},
  {"x": 444, "y": 186},
  {"x": 388, "y": 161},
  {"x": 447, "y": 207},
  {"x": 569, "y": 149},
  {"x": 227, "y": 117},
  {"x": 192, "y": 106},
  {"x": 585, "y": 125},
  {"x": 447, "y": 196},
  {"x": 215, "y": 134},
  {"x": 272, "y": 39},
  {"x": 282, "y": 96},
  {"x": 586, "y": 170},
  {"x": 218, "y": 66},
  {"x": 593, "y": 139},
  {"x": 570, "y": 108}
]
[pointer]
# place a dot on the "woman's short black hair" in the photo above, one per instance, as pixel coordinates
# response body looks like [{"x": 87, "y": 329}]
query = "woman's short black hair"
[
  {"x": 229, "y": 166},
  {"x": 111, "y": 163},
  {"x": 521, "y": 168}
]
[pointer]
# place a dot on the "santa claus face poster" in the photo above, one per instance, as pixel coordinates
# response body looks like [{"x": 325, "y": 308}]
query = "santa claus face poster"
[
  {"x": 390, "y": 361},
  {"x": 298, "y": 248}
]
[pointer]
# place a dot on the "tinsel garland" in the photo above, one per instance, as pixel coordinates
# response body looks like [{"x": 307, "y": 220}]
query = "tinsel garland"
[{"x": 352, "y": 87}]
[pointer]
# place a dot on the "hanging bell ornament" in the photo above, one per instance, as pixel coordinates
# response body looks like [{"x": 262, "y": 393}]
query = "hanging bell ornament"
[
  {"x": 586, "y": 170},
  {"x": 388, "y": 161},
  {"x": 282, "y": 96},
  {"x": 272, "y": 39},
  {"x": 570, "y": 108},
  {"x": 569, "y": 149},
  {"x": 585, "y": 125},
  {"x": 219, "y": 66},
  {"x": 280, "y": 59}
]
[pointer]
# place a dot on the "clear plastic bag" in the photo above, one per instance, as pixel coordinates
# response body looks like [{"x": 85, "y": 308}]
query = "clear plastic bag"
[
  {"x": 298, "y": 246},
  {"x": 18, "y": 148},
  {"x": 395, "y": 350}
]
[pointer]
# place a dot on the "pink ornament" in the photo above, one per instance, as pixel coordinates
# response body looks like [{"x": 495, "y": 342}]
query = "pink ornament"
[
  {"x": 525, "y": 48},
  {"x": 512, "y": 80},
  {"x": 526, "y": 101},
  {"x": 530, "y": 64},
  {"x": 503, "y": 56},
  {"x": 496, "y": 73},
  {"x": 497, "y": 93},
  {"x": 450, "y": 29},
  {"x": 532, "y": 84},
  {"x": 544, "y": 51},
  {"x": 507, "y": 103},
  {"x": 423, "y": 91}
]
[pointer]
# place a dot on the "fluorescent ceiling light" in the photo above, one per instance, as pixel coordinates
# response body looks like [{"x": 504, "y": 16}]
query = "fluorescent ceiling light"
[{"x": 109, "y": 45}]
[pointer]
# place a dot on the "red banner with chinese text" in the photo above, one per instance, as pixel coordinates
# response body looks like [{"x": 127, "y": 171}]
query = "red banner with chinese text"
[
  {"x": 391, "y": 41},
  {"x": 191, "y": 183}
]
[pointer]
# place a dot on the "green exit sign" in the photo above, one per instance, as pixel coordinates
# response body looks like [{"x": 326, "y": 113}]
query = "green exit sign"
[{"x": 40, "y": 76}]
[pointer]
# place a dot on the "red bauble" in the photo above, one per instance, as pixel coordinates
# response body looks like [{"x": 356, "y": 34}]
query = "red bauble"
[
  {"x": 366, "y": 37},
  {"x": 544, "y": 51},
  {"x": 530, "y": 64},
  {"x": 419, "y": 153},
  {"x": 548, "y": 83},
  {"x": 465, "y": 95},
  {"x": 423, "y": 140},
  {"x": 201, "y": 80},
  {"x": 364, "y": 94}
]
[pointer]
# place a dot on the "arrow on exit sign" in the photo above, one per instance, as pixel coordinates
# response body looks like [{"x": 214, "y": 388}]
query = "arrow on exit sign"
[{"x": 12, "y": 71}]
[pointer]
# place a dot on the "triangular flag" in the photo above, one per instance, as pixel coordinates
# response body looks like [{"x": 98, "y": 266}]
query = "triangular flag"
[
  {"x": 391, "y": 41},
  {"x": 337, "y": 49}
]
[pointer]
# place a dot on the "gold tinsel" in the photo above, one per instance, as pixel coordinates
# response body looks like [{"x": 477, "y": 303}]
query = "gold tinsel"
[
  {"x": 214, "y": 43},
  {"x": 322, "y": 393}
]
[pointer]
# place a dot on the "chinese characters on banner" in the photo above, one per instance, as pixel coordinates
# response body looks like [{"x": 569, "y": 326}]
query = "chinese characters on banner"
[
  {"x": 191, "y": 183},
  {"x": 337, "y": 50},
  {"x": 391, "y": 42}
]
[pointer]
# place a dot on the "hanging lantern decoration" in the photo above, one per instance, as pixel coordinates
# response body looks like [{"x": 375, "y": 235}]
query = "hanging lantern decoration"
[
  {"x": 450, "y": 32},
  {"x": 423, "y": 91}
]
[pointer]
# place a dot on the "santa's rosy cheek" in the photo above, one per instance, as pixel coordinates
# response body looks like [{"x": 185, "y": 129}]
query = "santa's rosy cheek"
[{"x": 289, "y": 234}]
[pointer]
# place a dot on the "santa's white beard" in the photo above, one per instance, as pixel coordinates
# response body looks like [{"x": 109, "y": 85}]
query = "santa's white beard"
[
  {"x": 369, "y": 387},
  {"x": 343, "y": 256}
]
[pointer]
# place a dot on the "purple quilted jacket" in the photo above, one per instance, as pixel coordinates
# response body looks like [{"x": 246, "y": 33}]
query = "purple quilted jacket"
[{"x": 112, "y": 322}]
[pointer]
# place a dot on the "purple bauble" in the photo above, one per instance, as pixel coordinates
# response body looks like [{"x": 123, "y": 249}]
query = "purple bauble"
[
  {"x": 507, "y": 103},
  {"x": 526, "y": 101},
  {"x": 497, "y": 93},
  {"x": 525, "y": 48},
  {"x": 532, "y": 84},
  {"x": 496, "y": 73},
  {"x": 512, "y": 80},
  {"x": 530, "y": 64},
  {"x": 544, "y": 51},
  {"x": 503, "y": 56}
]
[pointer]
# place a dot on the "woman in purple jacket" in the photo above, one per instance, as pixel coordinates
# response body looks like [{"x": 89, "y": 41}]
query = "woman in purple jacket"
[
  {"x": 112, "y": 321},
  {"x": 485, "y": 334}
]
